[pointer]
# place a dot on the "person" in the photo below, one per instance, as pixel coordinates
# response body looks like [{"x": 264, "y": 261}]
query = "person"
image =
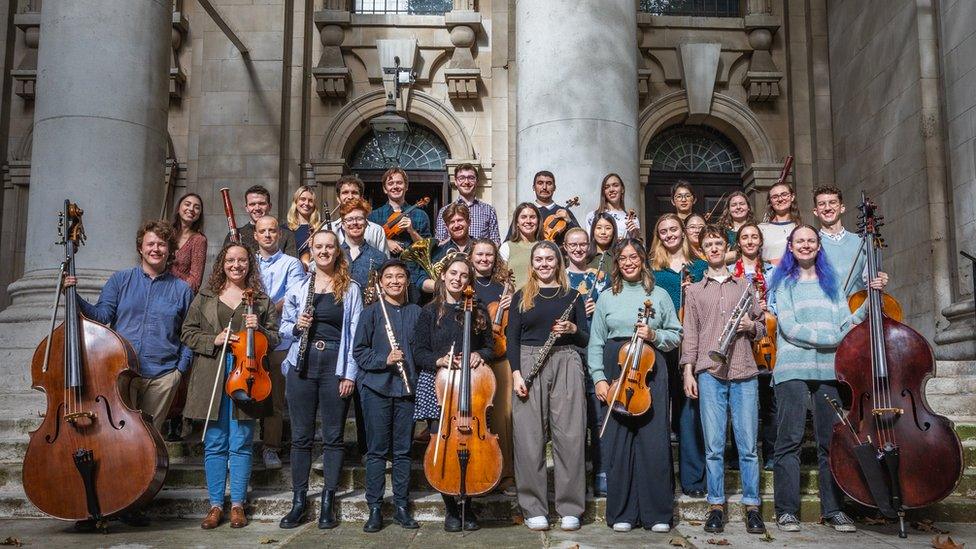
[
  {"x": 526, "y": 230},
  {"x": 544, "y": 186},
  {"x": 191, "y": 244},
  {"x": 440, "y": 329},
  {"x": 414, "y": 225},
  {"x": 589, "y": 283},
  {"x": 782, "y": 216},
  {"x": 556, "y": 398},
  {"x": 842, "y": 247},
  {"x": 484, "y": 219},
  {"x": 682, "y": 198},
  {"x": 457, "y": 218},
  {"x": 640, "y": 473},
  {"x": 726, "y": 387},
  {"x": 386, "y": 402},
  {"x": 278, "y": 272},
  {"x": 147, "y": 305},
  {"x": 303, "y": 216},
  {"x": 603, "y": 238},
  {"x": 694, "y": 224},
  {"x": 812, "y": 319},
  {"x": 738, "y": 212},
  {"x": 612, "y": 202},
  {"x": 361, "y": 256},
  {"x": 257, "y": 202},
  {"x": 230, "y": 422},
  {"x": 350, "y": 187},
  {"x": 490, "y": 282},
  {"x": 324, "y": 381},
  {"x": 675, "y": 269}
]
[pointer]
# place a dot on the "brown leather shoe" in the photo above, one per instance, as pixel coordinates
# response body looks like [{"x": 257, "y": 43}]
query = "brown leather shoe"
[
  {"x": 213, "y": 518},
  {"x": 237, "y": 518}
]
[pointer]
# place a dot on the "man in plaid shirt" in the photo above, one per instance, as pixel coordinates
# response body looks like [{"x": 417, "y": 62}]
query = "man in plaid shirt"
[{"x": 484, "y": 219}]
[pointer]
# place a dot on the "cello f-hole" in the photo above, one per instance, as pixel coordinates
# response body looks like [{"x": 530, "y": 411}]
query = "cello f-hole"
[
  {"x": 108, "y": 413},
  {"x": 860, "y": 417},
  {"x": 909, "y": 394},
  {"x": 57, "y": 426}
]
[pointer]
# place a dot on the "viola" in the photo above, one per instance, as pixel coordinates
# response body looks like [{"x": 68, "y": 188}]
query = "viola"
[
  {"x": 553, "y": 225},
  {"x": 499, "y": 318},
  {"x": 90, "y": 438},
  {"x": 890, "y": 451},
  {"x": 632, "y": 216},
  {"x": 392, "y": 225},
  {"x": 249, "y": 380},
  {"x": 764, "y": 349},
  {"x": 631, "y": 392},
  {"x": 463, "y": 458},
  {"x": 685, "y": 277}
]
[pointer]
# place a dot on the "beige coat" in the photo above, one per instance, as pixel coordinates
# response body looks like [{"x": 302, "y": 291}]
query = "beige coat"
[{"x": 199, "y": 330}]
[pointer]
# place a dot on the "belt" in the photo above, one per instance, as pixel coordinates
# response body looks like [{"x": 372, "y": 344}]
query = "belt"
[{"x": 321, "y": 345}]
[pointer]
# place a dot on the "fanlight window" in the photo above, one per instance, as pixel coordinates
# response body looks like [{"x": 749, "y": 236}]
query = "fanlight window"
[
  {"x": 693, "y": 8},
  {"x": 408, "y": 7},
  {"x": 697, "y": 149},
  {"x": 423, "y": 150}
]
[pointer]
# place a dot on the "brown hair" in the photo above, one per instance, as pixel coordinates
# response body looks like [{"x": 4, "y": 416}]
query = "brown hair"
[
  {"x": 762, "y": 240},
  {"x": 681, "y": 184},
  {"x": 218, "y": 278},
  {"x": 726, "y": 219},
  {"x": 440, "y": 296},
  {"x": 531, "y": 288},
  {"x": 354, "y": 204},
  {"x": 456, "y": 208},
  {"x": 164, "y": 231},
  {"x": 292, "y": 218},
  {"x": 603, "y": 198},
  {"x": 827, "y": 189},
  {"x": 466, "y": 167},
  {"x": 514, "y": 234},
  {"x": 196, "y": 226},
  {"x": 617, "y": 279},
  {"x": 258, "y": 189},
  {"x": 395, "y": 170},
  {"x": 499, "y": 270},
  {"x": 714, "y": 231},
  {"x": 349, "y": 180},
  {"x": 794, "y": 214},
  {"x": 660, "y": 258}
]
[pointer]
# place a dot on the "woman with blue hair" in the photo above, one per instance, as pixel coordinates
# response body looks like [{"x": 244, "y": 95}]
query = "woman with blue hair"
[{"x": 813, "y": 318}]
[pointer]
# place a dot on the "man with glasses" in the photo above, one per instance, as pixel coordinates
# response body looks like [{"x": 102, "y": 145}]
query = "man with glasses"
[
  {"x": 682, "y": 198},
  {"x": 347, "y": 188},
  {"x": 362, "y": 256},
  {"x": 484, "y": 219}
]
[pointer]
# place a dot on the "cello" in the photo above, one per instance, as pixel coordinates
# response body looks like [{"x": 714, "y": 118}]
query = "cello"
[
  {"x": 463, "y": 458},
  {"x": 90, "y": 438},
  {"x": 249, "y": 380},
  {"x": 631, "y": 393},
  {"x": 890, "y": 451}
]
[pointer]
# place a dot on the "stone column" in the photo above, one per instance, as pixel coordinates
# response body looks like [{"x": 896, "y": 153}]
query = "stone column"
[
  {"x": 100, "y": 140},
  {"x": 576, "y": 91}
]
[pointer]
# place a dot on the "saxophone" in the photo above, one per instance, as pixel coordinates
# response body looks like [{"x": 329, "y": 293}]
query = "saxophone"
[
  {"x": 540, "y": 361},
  {"x": 370, "y": 295}
]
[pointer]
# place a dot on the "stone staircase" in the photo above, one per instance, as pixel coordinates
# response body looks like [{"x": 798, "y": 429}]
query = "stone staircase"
[{"x": 184, "y": 495}]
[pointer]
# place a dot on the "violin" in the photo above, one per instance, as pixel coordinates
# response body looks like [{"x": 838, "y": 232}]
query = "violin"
[
  {"x": 464, "y": 458},
  {"x": 632, "y": 216},
  {"x": 90, "y": 439},
  {"x": 553, "y": 225},
  {"x": 392, "y": 225},
  {"x": 631, "y": 392},
  {"x": 235, "y": 235},
  {"x": 499, "y": 318},
  {"x": 890, "y": 451},
  {"x": 249, "y": 380},
  {"x": 764, "y": 350},
  {"x": 306, "y": 249}
]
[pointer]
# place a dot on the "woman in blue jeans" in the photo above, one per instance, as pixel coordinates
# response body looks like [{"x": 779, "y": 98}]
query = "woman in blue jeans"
[
  {"x": 323, "y": 381},
  {"x": 813, "y": 318},
  {"x": 230, "y": 423}
]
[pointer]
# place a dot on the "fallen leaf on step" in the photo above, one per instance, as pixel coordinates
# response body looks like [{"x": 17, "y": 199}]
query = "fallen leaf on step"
[
  {"x": 947, "y": 543},
  {"x": 12, "y": 541},
  {"x": 927, "y": 525},
  {"x": 678, "y": 542},
  {"x": 766, "y": 537},
  {"x": 695, "y": 523},
  {"x": 712, "y": 541},
  {"x": 267, "y": 541},
  {"x": 518, "y": 519},
  {"x": 876, "y": 521}
]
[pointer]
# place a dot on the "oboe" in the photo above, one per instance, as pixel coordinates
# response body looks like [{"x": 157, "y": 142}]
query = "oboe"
[
  {"x": 300, "y": 365},
  {"x": 540, "y": 361},
  {"x": 401, "y": 368}
]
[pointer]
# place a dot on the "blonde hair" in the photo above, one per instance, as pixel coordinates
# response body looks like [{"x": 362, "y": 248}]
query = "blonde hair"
[
  {"x": 293, "y": 219},
  {"x": 660, "y": 257},
  {"x": 531, "y": 288}
]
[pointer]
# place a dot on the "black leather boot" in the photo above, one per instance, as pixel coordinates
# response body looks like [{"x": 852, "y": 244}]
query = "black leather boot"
[
  {"x": 298, "y": 513},
  {"x": 327, "y": 519},
  {"x": 403, "y": 517},
  {"x": 470, "y": 518},
  {"x": 452, "y": 514},
  {"x": 375, "y": 522}
]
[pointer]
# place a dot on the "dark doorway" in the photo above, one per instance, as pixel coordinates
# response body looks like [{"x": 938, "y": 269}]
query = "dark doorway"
[{"x": 709, "y": 188}]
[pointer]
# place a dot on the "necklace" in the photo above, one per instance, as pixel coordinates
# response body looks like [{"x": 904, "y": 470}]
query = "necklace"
[
  {"x": 478, "y": 281},
  {"x": 553, "y": 296}
]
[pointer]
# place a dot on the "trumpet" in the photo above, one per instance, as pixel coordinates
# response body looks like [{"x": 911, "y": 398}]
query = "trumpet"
[
  {"x": 420, "y": 253},
  {"x": 721, "y": 355}
]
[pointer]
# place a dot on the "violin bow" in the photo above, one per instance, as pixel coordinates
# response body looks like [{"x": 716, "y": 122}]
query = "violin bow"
[
  {"x": 220, "y": 368},
  {"x": 440, "y": 422}
]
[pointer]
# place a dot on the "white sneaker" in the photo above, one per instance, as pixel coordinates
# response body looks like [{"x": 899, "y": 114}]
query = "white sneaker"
[
  {"x": 661, "y": 528},
  {"x": 569, "y": 523},
  {"x": 622, "y": 526},
  {"x": 537, "y": 523}
]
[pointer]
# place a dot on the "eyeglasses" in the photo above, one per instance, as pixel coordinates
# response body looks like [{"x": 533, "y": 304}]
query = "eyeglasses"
[
  {"x": 352, "y": 220},
  {"x": 465, "y": 178},
  {"x": 781, "y": 196},
  {"x": 683, "y": 196},
  {"x": 695, "y": 227},
  {"x": 576, "y": 246}
]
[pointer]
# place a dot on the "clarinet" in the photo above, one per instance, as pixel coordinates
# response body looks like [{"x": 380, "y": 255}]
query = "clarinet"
[
  {"x": 300, "y": 365},
  {"x": 391, "y": 337},
  {"x": 547, "y": 347}
]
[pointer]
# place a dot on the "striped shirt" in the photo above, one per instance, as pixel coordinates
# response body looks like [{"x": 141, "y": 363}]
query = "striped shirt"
[{"x": 484, "y": 221}]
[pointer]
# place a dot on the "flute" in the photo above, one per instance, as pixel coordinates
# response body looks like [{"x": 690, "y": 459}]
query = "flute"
[{"x": 391, "y": 337}]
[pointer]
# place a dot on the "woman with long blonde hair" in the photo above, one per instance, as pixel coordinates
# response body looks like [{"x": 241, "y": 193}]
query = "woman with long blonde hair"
[
  {"x": 556, "y": 397},
  {"x": 303, "y": 215}
]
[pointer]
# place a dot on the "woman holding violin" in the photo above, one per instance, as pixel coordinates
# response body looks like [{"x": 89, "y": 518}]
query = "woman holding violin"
[
  {"x": 324, "y": 312},
  {"x": 439, "y": 333},
  {"x": 640, "y": 476},
  {"x": 525, "y": 231},
  {"x": 546, "y": 326},
  {"x": 813, "y": 318},
  {"x": 303, "y": 216},
  {"x": 219, "y": 308}
]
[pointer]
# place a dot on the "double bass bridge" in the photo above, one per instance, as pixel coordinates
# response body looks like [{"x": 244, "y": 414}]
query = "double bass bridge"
[{"x": 887, "y": 411}]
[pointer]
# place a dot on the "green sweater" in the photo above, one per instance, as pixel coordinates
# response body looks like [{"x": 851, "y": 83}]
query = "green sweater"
[
  {"x": 616, "y": 315},
  {"x": 810, "y": 328}
]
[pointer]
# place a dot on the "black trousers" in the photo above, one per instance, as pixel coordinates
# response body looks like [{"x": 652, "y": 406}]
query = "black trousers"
[
  {"x": 317, "y": 393},
  {"x": 640, "y": 471},
  {"x": 389, "y": 430},
  {"x": 598, "y": 452}
]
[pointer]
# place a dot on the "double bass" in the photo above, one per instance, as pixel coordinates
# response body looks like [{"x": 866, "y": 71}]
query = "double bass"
[
  {"x": 90, "y": 438},
  {"x": 890, "y": 451},
  {"x": 463, "y": 458}
]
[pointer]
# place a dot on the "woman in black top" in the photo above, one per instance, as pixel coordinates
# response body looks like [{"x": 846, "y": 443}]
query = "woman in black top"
[
  {"x": 439, "y": 328},
  {"x": 556, "y": 396}
]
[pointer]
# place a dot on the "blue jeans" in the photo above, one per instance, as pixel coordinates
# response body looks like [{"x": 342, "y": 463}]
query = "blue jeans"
[
  {"x": 716, "y": 396},
  {"x": 228, "y": 441}
]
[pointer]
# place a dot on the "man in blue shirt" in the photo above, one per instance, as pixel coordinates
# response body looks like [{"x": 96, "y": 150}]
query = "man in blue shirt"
[
  {"x": 414, "y": 225},
  {"x": 146, "y": 305},
  {"x": 278, "y": 273},
  {"x": 843, "y": 248},
  {"x": 362, "y": 256}
]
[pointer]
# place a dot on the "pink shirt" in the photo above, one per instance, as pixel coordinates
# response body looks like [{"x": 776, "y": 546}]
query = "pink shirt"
[{"x": 191, "y": 258}]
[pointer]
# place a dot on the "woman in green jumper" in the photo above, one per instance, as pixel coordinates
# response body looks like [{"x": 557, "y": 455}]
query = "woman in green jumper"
[
  {"x": 640, "y": 477},
  {"x": 525, "y": 231}
]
